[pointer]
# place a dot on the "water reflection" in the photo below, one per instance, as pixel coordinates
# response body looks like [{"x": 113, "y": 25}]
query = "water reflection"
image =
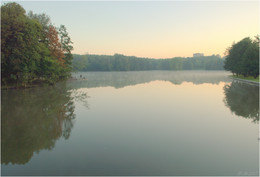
[
  {"x": 243, "y": 99},
  {"x": 122, "y": 79},
  {"x": 147, "y": 129},
  {"x": 34, "y": 119}
]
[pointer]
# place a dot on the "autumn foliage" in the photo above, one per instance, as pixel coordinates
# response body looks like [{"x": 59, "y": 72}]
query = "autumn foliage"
[
  {"x": 54, "y": 45},
  {"x": 32, "y": 48}
]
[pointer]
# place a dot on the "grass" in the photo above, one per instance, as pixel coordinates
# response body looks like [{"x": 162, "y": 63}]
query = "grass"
[{"x": 249, "y": 78}]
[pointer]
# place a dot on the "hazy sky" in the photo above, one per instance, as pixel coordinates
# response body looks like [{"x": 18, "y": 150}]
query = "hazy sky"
[{"x": 152, "y": 29}]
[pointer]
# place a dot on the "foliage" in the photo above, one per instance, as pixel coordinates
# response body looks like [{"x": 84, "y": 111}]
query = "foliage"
[
  {"x": 243, "y": 58},
  {"x": 32, "y": 48},
  {"x": 66, "y": 48},
  {"x": 119, "y": 62},
  {"x": 249, "y": 78}
]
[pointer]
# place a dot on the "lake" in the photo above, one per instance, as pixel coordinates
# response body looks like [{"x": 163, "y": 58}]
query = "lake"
[{"x": 155, "y": 123}]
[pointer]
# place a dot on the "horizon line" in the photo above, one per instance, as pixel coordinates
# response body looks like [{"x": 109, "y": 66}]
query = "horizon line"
[{"x": 147, "y": 57}]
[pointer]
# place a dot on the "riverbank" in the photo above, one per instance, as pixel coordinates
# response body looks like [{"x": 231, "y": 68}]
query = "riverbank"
[
  {"x": 249, "y": 79},
  {"x": 37, "y": 83},
  {"x": 21, "y": 86}
]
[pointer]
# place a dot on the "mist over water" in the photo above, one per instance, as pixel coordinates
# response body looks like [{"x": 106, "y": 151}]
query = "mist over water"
[
  {"x": 125, "y": 78},
  {"x": 133, "y": 123}
]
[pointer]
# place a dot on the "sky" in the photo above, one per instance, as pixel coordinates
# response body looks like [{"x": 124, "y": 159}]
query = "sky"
[{"x": 153, "y": 29}]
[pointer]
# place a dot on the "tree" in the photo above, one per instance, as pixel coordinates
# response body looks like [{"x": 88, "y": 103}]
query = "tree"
[
  {"x": 43, "y": 19},
  {"x": 31, "y": 48},
  {"x": 21, "y": 46},
  {"x": 66, "y": 47},
  {"x": 243, "y": 58},
  {"x": 120, "y": 62},
  {"x": 251, "y": 60},
  {"x": 55, "y": 46},
  {"x": 45, "y": 22},
  {"x": 80, "y": 63},
  {"x": 12, "y": 23}
]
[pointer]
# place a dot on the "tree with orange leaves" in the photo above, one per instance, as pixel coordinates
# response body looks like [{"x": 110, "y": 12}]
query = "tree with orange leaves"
[
  {"x": 33, "y": 50},
  {"x": 54, "y": 45}
]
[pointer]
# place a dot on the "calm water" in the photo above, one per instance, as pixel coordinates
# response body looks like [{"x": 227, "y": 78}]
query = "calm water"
[{"x": 133, "y": 123}]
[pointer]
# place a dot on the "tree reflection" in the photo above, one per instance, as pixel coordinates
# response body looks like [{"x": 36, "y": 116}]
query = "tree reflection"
[
  {"x": 243, "y": 99},
  {"x": 34, "y": 119},
  {"x": 122, "y": 79}
]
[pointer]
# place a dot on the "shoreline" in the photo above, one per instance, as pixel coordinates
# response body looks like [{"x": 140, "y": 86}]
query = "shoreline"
[
  {"x": 35, "y": 85},
  {"x": 245, "y": 80}
]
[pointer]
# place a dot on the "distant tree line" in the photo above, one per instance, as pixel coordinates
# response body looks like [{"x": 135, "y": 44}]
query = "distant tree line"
[
  {"x": 32, "y": 48},
  {"x": 120, "y": 62},
  {"x": 243, "y": 58}
]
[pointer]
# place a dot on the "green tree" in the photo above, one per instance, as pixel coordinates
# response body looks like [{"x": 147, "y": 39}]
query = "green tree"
[
  {"x": 12, "y": 23},
  {"x": 120, "y": 62},
  {"x": 31, "y": 48},
  {"x": 243, "y": 58},
  {"x": 66, "y": 48},
  {"x": 44, "y": 20},
  {"x": 21, "y": 46},
  {"x": 250, "y": 60},
  {"x": 80, "y": 63}
]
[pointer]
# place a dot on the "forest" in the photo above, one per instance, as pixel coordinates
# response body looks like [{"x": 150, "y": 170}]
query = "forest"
[
  {"x": 118, "y": 62},
  {"x": 33, "y": 50}
]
